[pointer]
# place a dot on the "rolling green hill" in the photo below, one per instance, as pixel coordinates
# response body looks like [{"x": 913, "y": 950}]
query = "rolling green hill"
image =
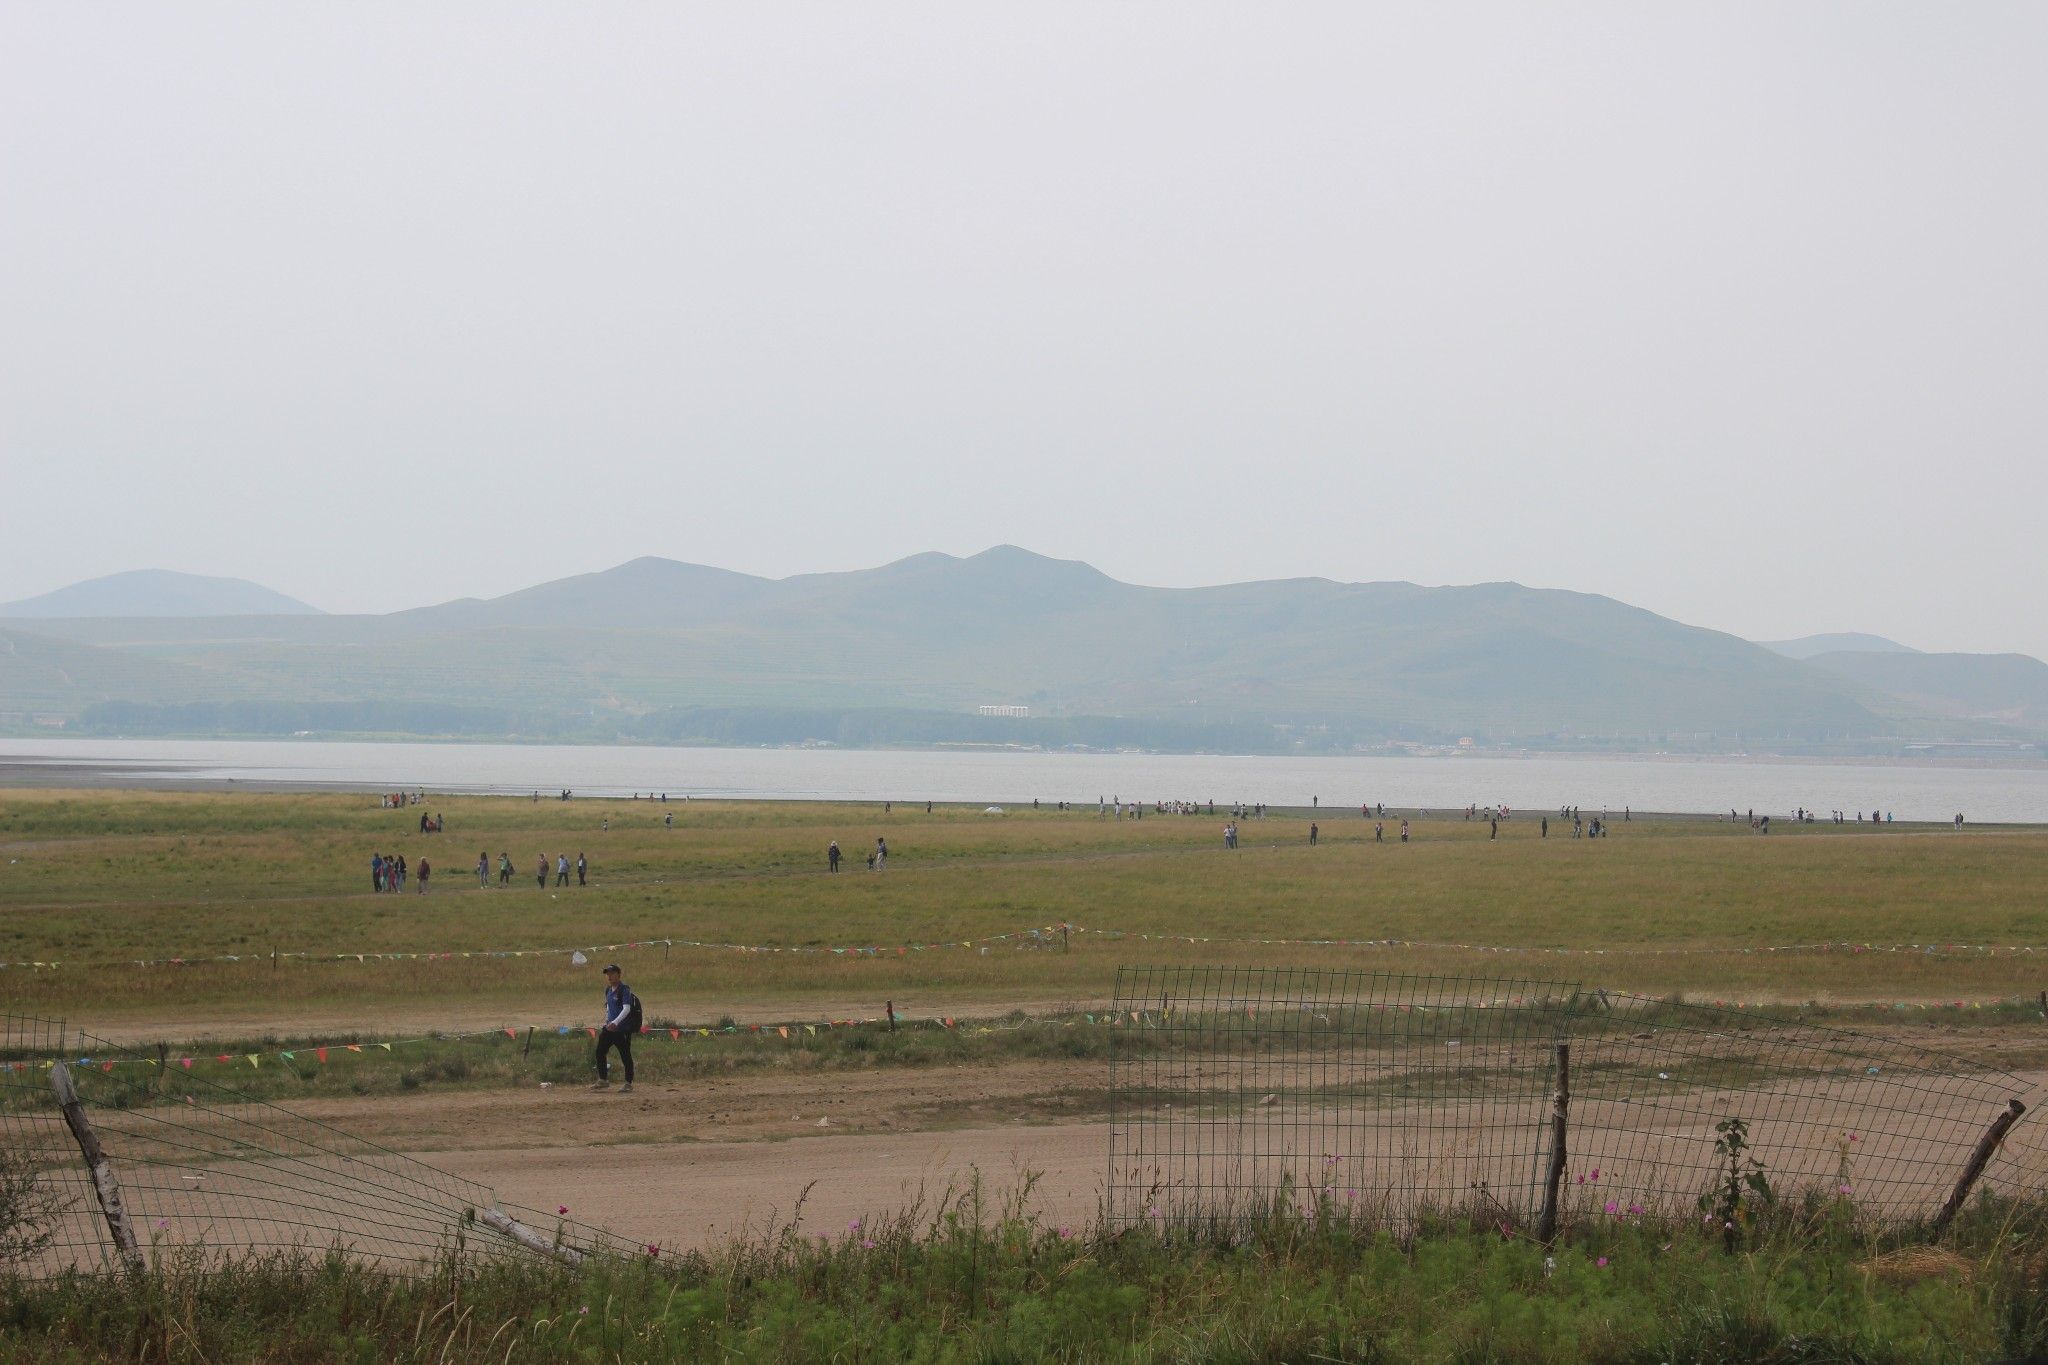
[
  {"x": 2009, "y": 689},
  {"x": 655, "y": 646}
]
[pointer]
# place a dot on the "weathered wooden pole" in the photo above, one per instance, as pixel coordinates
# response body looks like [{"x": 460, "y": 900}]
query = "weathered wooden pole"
[
  {"x": 1980, "y": 1157},
  {"x": 1553, "y": 1178},
  {"x": 889, "y": 1006},
  {"x": 103, "y": 1183},
  {"x": 527, "y": 1237}
]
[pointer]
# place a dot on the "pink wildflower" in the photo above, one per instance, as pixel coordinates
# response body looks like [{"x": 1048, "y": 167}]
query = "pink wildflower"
[
  {"x": 1152, "y": 1212},
  {"x": 854, "y": 1226},
  {"x": 654, "y": 1249},
  {"x": 867, "y": 1244},
  {"x": 1351, "y": 1194},
  {"x": 1635, "y": 1210},
  {"x": 1613, "y": 1207},
  {"x": 1602, "y": 1263},
  {"x": 1066, "y": 1233},
  {"x": 584, "y": 1311},
  {"x": 1844, "y": 1189},
  {"x": 564, "y": 1208},
  {"x": 1596, "y": 1173}
]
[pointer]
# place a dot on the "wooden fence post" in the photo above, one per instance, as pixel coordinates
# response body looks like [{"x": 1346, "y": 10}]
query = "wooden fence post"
[
  {"x": 1980, "y": 1157},
  {"x": 527, "y": 1237},
  {"x": 890, "y": 1007},
  {"x": 1560, "y": 1107},
  {"x": 103, "y": 1183}
]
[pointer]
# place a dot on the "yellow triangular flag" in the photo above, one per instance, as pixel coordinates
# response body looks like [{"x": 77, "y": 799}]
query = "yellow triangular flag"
[{"x": 252, "y": 1059}]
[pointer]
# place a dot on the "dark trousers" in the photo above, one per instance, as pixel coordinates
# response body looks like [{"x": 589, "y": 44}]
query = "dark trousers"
[{"x": 607, "y": 1039}]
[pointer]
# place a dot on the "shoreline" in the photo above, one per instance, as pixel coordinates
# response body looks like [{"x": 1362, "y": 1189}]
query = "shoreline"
[{"x": 121, "y": 777}]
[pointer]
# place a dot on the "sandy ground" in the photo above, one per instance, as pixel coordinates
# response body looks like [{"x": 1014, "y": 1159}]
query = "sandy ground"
[{"x": 700, "y": 1193}]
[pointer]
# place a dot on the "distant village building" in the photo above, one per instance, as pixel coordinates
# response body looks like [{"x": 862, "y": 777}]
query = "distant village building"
[{"x": 1016, "y": 712}]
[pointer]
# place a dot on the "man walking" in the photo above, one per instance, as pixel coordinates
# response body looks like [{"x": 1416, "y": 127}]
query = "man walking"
[
  {"x": 561, "y": 869},
  {"x": 621, "y": 1022},
  {"x": 581, "y": 868},
  {"x": 541, "y": 873}
]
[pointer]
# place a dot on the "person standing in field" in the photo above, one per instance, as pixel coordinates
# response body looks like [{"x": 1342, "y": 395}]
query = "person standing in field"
[
  {"x": 401, "y": 873},
  {"x": 541, "y": 872},
  {"x": 581, "y": 869},
  {"x": 561, "y": 869},
  {"x": 1404, "y": 831},
  {"x": 376, "y": 872},
  {"x": 621, "y": 1021},
  {"x": 1379, "y": 832},
  {"x": 832, "y": 857},
  {"x": 426, "y": 871},
  {"x": 1312, "y": 833},
  {"x": 504, "y": 867},
  {"x": 483, "y": 869},
  {"x": 1494, "y": 831},
  {"x": 669, "y": 818},
  {"x": 881, "y": 853}
]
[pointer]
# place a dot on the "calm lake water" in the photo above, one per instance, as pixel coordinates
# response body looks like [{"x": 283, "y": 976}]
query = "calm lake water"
[{"x": 1909, "y": 791}]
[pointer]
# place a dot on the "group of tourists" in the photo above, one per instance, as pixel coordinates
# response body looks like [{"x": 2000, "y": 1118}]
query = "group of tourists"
[
  {"x": 878, "y": 856},
  {"x": 562, "y": 869},
  {"x": 391, "y": 874}
]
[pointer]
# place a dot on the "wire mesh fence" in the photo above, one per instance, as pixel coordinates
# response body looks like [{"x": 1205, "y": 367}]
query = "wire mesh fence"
[
  {"x": 1394, "y": 1096},
  {"x": 200, "y": 1167}
]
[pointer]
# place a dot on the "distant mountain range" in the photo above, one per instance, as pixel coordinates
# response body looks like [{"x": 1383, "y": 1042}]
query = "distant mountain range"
[
  {"x": 908, "y": 652},
  {"x": 158, "y": 592}
]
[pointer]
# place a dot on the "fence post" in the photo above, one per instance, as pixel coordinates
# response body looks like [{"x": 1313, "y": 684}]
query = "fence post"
[
  {"x": 1560, "y": 1106},
  {"x": 527, "y": 1051},
  {"x": 527, "y": 1237},
  {"x": 103, "y": 1183},
  {"x": 1980, "y": 1157},
  {"x": 889, "y": 1006}
]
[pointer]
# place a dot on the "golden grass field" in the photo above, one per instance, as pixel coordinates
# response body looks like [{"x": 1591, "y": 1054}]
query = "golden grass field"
[{"x": 93, "y": 881}]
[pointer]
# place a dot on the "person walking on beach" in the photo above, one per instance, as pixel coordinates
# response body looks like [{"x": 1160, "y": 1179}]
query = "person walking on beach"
[
  {"x": 832, "y": 857},
  {"x": 621, "y": 1021},
  {"x": 426, "y": 871},
  {"x": 581, "y": 868}
]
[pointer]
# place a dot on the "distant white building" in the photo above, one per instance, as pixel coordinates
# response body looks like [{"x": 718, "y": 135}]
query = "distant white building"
[{"x": 1016, "y": 712}]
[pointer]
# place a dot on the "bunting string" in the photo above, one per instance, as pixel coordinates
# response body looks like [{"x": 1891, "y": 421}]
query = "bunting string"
[
  {"x": 797, "y": 1031},
  {"x": 1046, "y": 935}
]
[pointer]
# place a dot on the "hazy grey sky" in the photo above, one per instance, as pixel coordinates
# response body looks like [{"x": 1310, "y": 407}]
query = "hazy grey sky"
[{"x": 1735, "y": 312}]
